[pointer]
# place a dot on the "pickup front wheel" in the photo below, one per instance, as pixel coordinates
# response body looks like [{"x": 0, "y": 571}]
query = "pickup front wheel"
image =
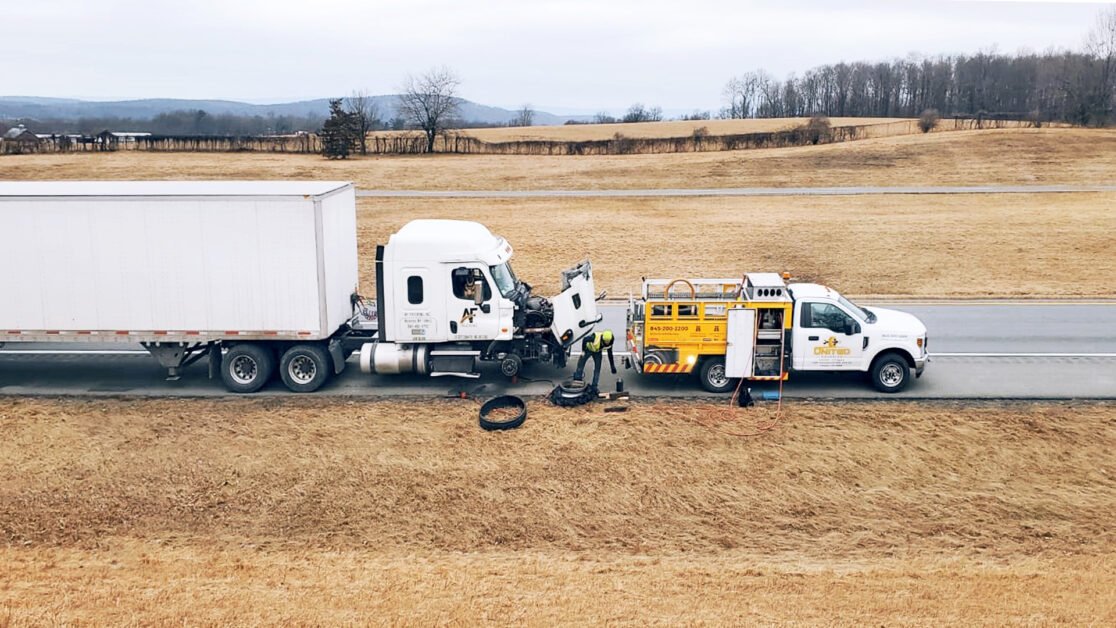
[{"x": 890, "y": 373}]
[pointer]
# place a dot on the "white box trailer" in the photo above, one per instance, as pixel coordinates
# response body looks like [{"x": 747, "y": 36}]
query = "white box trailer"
[{"x": 181, "y": 267}]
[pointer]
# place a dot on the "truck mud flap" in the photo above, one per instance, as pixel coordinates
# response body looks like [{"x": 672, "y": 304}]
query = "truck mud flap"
[{"x": 337, "y": 353}]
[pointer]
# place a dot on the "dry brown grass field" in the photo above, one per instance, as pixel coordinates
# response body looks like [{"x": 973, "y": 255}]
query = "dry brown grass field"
[
  {"x": 1050, "y": 245},
  {"x": 670, "y": 128},
  {"x": 1053, "y": 245},
  {"x": 311, "y": 511},
  {"x": 1016, "y": 156}
]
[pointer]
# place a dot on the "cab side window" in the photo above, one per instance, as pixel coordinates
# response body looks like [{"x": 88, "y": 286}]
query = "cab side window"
[
  {"x": 414, "y": 290},
  {"x": 467, "y": 281},
  {"x": 825, "y": 316}
]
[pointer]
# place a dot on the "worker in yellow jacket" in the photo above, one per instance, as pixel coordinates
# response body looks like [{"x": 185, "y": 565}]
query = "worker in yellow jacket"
[{"x": 591, "y": 347}]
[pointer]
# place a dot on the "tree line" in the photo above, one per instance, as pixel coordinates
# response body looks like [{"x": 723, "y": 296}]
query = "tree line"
[
  {"x": 184, "y": 122},
  {"x": 1076, "y": 87}
]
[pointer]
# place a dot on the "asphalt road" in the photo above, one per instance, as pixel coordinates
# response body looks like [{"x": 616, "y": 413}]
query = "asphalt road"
[
  {"x": 1016, "y": 350},
  {"x": 676, "y": 192}
]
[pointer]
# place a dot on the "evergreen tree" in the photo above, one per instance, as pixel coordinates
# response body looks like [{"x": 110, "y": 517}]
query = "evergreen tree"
[{"x": 339, "y": 132}]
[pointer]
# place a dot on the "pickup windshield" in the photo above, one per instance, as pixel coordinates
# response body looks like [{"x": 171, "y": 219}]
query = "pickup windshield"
[
  {"x": 504, "y": 278},
  {"x": 858, "y": 311}
]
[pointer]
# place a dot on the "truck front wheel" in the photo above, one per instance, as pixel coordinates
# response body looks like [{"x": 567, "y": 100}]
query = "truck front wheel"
[
  {"x": 713, "y": 378},
  {"x": 890, "y": 373},
  {"x": 246, "y": 368},
  {"x": 304, "y": 368}
]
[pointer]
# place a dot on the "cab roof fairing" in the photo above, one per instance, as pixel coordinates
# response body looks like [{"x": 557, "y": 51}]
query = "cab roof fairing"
[{"x": 449, "y": 241}]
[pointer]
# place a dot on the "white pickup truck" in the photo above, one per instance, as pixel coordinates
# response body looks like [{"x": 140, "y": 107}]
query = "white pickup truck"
[{"x": 762, "y": 328}]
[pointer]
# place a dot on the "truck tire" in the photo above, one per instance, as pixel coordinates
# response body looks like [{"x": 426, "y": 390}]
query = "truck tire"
[
  {"x": 245, "y": 368},
  {"x": 890, "y": 373},
  {"x": 511, "y": 365},
  {"x": 305, "y": 367},
  {"x": 504, "y": 401},
  {"x": 571, "y": 394},
  {"x": 713, "y": 378}
]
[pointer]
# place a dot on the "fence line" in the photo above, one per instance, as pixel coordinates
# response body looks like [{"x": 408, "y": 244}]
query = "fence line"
[{"x": 458, "y": 142}]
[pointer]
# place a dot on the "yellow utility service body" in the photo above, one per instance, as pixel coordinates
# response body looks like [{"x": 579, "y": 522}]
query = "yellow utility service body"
[{"x": 760, "y": 327}]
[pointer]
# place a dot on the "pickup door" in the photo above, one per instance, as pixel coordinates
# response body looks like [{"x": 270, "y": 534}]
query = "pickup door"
[
  {"x": 826, "y": 337},
  {"x": 575, "y": 308}
]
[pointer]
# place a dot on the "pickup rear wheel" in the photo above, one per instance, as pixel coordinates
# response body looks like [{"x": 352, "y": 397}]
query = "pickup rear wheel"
[
  {"x": 305, "y": 367},
  {"x": 713, "y": 378},
  {"x": 245, "y": 368},
  {"x": 891, "y": 373}
]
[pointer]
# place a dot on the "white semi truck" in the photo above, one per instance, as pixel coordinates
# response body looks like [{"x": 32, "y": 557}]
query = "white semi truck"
[{"x": 261, "y": 278}]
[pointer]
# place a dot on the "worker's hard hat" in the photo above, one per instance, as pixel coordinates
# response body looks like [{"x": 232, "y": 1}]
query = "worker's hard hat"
[{"x": 606, "y": 336}]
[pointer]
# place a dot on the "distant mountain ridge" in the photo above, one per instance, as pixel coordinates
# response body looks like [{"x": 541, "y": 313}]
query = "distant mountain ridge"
[{"x": 42, "y": 108}]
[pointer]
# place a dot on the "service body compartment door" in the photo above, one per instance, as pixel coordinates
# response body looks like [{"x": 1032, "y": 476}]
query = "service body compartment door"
[{"x": 741, "y": 342}]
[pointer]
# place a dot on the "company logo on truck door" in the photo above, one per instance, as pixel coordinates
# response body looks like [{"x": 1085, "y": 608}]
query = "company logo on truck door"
[
  {"x": 829, "y": 347},
  {"x": 467, "y": 315}
]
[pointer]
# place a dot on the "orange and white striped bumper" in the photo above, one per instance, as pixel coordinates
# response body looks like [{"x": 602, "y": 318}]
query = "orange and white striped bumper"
[{"x": 668, "y": 368}]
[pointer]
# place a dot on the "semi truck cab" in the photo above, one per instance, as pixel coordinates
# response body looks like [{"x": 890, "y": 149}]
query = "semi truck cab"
[{"x": 447, "y": 296}]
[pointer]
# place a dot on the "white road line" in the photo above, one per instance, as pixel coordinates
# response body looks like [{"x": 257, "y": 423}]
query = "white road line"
[
  {"x": 786, "y": 191},
  {"x": 68, "y": 352},
  {"x": 1023, "y": 355},
  {"x": 578, "y": 354}
]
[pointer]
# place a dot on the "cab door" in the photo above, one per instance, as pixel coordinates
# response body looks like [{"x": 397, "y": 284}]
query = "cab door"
[
  {"x": 416, "y": 302},
  {"x": 826, "y": 338},
  {"x": 472, "y": 310}
]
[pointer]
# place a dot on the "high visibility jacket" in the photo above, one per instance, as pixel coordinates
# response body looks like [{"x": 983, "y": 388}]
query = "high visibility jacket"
[{"x": 595, "y": 342}]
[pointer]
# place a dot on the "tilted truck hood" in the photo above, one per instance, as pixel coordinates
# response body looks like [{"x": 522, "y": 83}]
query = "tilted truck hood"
[
  {"x": 575, "y": 308},
  {"x": 897, "y": 324}
]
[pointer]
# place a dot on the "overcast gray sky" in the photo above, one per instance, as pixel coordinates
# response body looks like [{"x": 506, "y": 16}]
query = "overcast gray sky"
[{"x": 576, "y": 55}]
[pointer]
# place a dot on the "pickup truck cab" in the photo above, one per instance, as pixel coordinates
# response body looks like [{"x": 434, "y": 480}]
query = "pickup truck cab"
[{"x": 831, "y": 333}]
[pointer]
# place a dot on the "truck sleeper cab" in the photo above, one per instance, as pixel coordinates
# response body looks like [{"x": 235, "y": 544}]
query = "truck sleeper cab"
[{"x": 761, "y": 328}]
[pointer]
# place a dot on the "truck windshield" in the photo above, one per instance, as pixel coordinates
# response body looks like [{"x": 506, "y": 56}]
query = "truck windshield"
[
  {"x": 504, "y": 278},
  {"x": 860, "y": 312}
]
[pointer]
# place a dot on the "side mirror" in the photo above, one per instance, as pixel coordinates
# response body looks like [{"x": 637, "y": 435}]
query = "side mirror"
[
  {"x": 478, "y": 296},
  {"x": 484, "y": 307},
  {"x": 851, "y": 327}
]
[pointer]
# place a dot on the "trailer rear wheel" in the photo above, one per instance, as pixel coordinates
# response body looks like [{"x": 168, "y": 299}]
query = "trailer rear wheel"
[
  {"x": 713, "y": 378},
  {"x": 305, "y": 367},
  {"x": 891, "y": 373},
  {"x": 247, "y": 367}
]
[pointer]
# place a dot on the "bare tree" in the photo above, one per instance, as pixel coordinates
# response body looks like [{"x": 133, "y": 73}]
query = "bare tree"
[
  {"x": 430, "y": 102},
  {"x": 1101, "y": 43},
  {"x": 639, "y": 113},
  {"x": 524, "y": 117},
  {"x": 365, "y": 116}
]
